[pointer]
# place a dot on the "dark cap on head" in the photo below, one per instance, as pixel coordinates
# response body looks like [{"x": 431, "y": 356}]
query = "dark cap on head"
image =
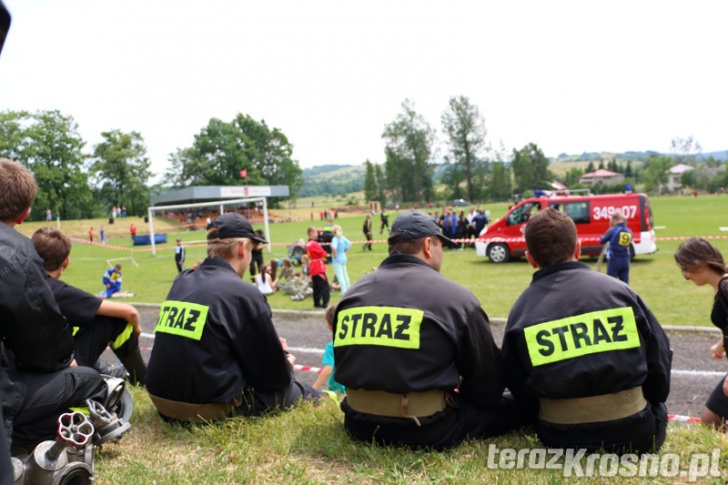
[
  {"x": 413, "y": 224},
  {"x": 233, "y": 225}
]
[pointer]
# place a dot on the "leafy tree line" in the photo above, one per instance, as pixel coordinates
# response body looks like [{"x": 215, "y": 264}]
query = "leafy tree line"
[
  {"x": 72, "y": 183},
  {"x": 76, "y": 183}
]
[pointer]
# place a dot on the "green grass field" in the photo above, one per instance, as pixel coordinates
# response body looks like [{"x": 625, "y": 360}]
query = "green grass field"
[{"x": 655, "y": 277}]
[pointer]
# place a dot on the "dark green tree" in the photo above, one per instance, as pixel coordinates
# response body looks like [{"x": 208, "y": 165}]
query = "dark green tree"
[
  {"x": 48, "y": 143},
  {"x": 381, "y": 183},
  {"x": 500, "y": 184},
  {"x": 465, "y": 130},
  {"x": 590, "y": 168},
  {"x": 370, "y": 183},
  {"x": 656, "y": 172},
  {"x": 628, "y": 173},
  {"x": 409, "y": 139},
  {"x": 530, "y": 168},
  {"x": 221, "y": 150},
  {"x": 573, "y": 176},
  {"x": 121, "y": 168}
]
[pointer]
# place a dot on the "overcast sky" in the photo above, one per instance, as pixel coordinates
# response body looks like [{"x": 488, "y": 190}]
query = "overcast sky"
[{"x": 571, "y": 76}]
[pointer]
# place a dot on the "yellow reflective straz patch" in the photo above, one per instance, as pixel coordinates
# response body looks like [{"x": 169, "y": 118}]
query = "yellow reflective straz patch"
[
  {"x": 590, "y": 333},
  {"x": 182, "y": 318},
  {"x": 379, "y": 325}
]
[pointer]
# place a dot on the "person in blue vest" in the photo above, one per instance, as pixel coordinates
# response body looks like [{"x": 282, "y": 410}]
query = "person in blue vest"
[
  {"x": 112, "y": 280},
  {"x": 619, "y": 238}
]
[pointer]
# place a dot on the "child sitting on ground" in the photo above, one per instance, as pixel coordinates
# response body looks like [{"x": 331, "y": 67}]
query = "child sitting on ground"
[{"x": 327, "y": 373}]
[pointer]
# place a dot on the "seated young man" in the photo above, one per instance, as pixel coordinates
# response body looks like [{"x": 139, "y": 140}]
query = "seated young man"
[
  {"x": 36, "y": 346},
  {"x": 216, "y": 351},
  {"x": 583, "y": 351},
  {"x": 96, "y": 322}
]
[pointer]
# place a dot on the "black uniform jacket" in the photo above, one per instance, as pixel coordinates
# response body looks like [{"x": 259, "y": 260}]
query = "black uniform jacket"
[
  {"x": 31, "y": 324},
  {"x": 576, "y": 333},
  {"x": 405, "y": 327},
  {"x": 214, "y": 338}
]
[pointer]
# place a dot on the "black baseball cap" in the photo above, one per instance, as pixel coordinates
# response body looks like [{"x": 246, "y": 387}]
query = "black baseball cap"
[
  {"x": 413, "y": 224},
  {"x": 231, "y": 225}
]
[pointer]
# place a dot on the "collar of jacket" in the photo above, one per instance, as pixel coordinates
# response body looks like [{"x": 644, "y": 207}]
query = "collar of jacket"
[
  {"x": 217, "y": 261},
  {"x": 399, "y": 258},
  {"x": 563, "y": 266}
]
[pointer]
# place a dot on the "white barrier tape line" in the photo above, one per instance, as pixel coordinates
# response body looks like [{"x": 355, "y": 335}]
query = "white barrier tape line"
[
  {"x": 697, "y": 373},
  {"x": 305, "y": 350}
]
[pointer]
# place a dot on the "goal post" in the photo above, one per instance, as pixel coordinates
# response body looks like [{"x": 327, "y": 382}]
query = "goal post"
[{"x": 213, "y": 203}]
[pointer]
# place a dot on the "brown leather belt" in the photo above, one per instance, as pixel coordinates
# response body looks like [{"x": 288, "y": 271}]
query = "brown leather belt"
[
  {"x": 194, "y": 413},
  {"x": 411, "y": 405},
  {"x": 592, "y": 409}
]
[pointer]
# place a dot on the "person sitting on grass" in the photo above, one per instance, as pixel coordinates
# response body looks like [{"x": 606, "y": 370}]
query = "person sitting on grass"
[
  {"x": 216, "y": 351},
  {"x": 326, "y": 376},
  {"x": 263, "y": 280},
  {"x": 703, "y": 264},
  {"x": 96, "y": 322},
  {"x": 582, "y": 352}
]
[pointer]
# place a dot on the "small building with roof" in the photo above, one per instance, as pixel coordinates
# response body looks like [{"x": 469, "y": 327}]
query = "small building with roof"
[{"x": 606, "y": 177}]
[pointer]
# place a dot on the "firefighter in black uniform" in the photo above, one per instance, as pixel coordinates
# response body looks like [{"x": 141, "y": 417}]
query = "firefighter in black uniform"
[
  {"x": 216, "y": 352},
  {"x": 583, "y": 351},
  {"x": 406, "y": 338}
]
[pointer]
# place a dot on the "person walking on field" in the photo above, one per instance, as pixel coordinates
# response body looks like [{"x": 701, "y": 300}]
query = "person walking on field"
[
  {"x": 619, "y": 238},
  {"x": 367, "y": 230}
]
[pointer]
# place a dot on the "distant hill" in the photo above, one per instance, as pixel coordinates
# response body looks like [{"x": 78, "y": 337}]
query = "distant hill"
[
  {"x": 634, "y": 156},
  {"x": 344, "y": 179},
  {"x": 332, "y": 180}
]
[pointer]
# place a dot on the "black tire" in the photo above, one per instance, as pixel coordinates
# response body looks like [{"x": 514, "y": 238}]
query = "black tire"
[{"x": 498, "y": 253}]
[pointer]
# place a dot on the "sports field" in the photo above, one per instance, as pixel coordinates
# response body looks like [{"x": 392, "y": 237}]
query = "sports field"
[{"x": 655, "y": 277}]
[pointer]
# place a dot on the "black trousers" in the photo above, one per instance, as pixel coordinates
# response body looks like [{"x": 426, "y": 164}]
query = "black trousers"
[
  {"x": 6, "y": 469},
  {"x": 256, "y": 403},
  {"x": 320, "y": 291},
  {"x": 48, "y": 395},
  {"x": 256, "y": 262},
  {"x": 90, "y": 341},
  {"x": 442, "y": 430}
]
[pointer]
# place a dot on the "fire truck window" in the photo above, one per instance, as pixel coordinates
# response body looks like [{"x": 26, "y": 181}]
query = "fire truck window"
[{"x": 578, "y": 211}]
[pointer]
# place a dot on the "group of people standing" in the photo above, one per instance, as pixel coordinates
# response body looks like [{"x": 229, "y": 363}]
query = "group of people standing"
[{"x": 461, "y": 226}]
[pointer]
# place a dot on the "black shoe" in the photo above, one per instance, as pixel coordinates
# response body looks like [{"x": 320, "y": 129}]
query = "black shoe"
[{"x": 105, "y": 368}]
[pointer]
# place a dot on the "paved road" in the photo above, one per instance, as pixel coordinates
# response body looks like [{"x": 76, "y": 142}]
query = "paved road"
[{"x": 695, "y": 372}]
